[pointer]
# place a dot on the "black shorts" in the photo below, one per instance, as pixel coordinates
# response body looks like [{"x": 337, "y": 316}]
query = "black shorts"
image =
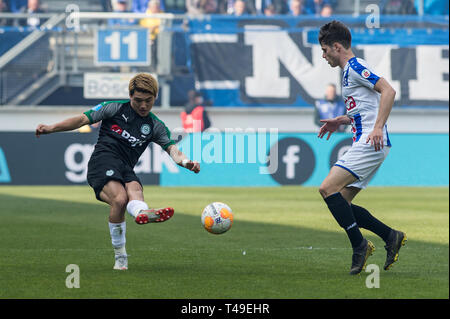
[{"x": 106, "y": 167}]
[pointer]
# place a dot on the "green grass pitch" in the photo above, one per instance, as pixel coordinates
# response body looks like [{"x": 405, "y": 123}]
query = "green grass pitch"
[{"x": 284, "y": 244}]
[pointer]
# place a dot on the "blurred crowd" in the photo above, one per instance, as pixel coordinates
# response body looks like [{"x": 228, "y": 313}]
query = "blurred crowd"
[
  {"x": 21, "y": 6},
  {"x": 322, "y": 8}
]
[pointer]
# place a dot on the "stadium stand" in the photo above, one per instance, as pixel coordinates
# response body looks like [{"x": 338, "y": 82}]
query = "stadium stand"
[{"x": 57, "y": 57}]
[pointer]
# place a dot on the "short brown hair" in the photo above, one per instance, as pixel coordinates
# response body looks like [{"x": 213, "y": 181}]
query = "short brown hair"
[
  {"x": 145, "y": 83},
  {"x": 333, "y": 32}
]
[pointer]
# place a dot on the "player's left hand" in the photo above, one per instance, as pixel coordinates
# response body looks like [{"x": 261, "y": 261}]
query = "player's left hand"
[
  {"x": 193, "y": 166},
  {"x": 376, "y": 139}
]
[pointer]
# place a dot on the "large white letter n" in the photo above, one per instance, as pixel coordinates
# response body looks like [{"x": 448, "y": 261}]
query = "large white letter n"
[{"x": 266, "y": 81}]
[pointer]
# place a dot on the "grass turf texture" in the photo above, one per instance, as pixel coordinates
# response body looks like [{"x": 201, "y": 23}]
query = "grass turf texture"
[{"x": 283, "y": 244}]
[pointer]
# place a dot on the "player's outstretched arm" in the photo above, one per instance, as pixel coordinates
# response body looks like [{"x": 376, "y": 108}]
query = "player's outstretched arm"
[
  {"x": 181, "y": 159},
  {"x": 331, "y": 125},
  {"x": 386, "y": 102},
  {"x": 66, "y": 125}
]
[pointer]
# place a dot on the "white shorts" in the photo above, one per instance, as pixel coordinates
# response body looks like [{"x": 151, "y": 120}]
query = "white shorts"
[{"x": 362, "y": 161}]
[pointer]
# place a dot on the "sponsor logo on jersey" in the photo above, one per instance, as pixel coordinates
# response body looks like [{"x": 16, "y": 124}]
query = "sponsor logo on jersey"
[
  {"x": 350, "y": 103},
  {"x": 109, "y": 172},
  {"x": 145, "y": 129},
  {"x": 365, "y": 73},
  {"x": 126, "y": 135},
  {"x": 352, "y": 122},
  {"x": 117, "y": 129},
  {"x": 97, "y": 107}
]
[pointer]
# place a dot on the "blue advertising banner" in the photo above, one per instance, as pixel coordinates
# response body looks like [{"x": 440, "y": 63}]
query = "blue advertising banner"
[
  {"x": 267, "y": 159},
  {"x": 245, "y": 158}
]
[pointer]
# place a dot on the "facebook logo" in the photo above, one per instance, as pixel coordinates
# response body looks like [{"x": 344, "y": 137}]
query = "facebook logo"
[
  {"x": 290, "y": 159},
  {"x": 295, "y": 159}
]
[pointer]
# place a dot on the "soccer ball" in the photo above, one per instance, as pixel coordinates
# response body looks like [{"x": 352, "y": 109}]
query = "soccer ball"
[{"x": 217, "y": 218}]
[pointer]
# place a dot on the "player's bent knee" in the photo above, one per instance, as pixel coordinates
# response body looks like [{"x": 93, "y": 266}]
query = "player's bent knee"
[
  {"x": 326, "y": 190},
  {"x": 323, "y": 192},
  {"x": 120, "y": 200}
]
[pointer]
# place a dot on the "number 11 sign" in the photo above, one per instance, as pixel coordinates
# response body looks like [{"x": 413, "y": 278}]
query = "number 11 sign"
[{"x": 116, "y": 47}]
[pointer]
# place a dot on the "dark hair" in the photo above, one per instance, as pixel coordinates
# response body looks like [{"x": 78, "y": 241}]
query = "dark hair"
[{"x": 333, "y": 32}]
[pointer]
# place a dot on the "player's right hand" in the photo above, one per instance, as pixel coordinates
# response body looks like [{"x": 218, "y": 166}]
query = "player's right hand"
[
  {"x": 329, "y": 126},
  {"x": 42, "y": 129}
]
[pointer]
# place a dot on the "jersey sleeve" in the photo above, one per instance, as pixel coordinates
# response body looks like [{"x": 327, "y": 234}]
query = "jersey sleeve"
[
  {"x": 364, "y": 75},
  {"x": 102, "y": 111},
  {"x": 161, "y": 134}
]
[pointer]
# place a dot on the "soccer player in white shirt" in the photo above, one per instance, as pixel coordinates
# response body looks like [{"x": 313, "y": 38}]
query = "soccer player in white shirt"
[{"x": 369, "y": 100}]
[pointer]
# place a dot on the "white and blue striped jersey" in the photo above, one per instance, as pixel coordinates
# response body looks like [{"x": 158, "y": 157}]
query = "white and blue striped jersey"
[{"x": 361, "y": 100}]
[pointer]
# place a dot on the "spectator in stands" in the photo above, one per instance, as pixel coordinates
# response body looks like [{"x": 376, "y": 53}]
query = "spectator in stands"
[
  {"x": 33, "y": 7},
  {"x": 320, "y": 7},
  {"x": 210, "y": 6},
  {"x": 323, "y": 8},
  {"x": 259, "y": 6},
  {"x": 240, "y": 8},
  {"x": 121, "y": 7},
  {"x": 330, "y": 107},
  {"x": 17, "y": 6},
  {"x": 194, "y": 117},
  {"x": 326, "y": 11},
  {"x": 3, "y": 8},
  {"x": 106, "y": 5},
  {"x": 397, "y": 7},
  {"x": 228, "y": 6},
  {"x": 196, "y": 7},
  {"x": 152, "y": 23},
  {"x": 297, "y": 7},
  {"x": 269, "y": 10},
  {"x": 225, "y": 6},
  {"x": 281, "y": 6},
  {"x": 141, "y": 6}
]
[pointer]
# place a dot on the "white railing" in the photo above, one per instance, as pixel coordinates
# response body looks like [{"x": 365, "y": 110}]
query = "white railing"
[
  {"x": 53, "y": 21},
  {"x": 75, "y": 22}
]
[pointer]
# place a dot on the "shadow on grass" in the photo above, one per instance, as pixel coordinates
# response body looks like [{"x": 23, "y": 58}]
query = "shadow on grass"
[{"x": 179, "y": 259}]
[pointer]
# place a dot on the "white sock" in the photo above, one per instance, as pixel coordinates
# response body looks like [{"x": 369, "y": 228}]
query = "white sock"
[
  {"x": 135, "y": 206},
  {"x": 120, "y": 251},
  {"x": 118, "y": 239}
]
